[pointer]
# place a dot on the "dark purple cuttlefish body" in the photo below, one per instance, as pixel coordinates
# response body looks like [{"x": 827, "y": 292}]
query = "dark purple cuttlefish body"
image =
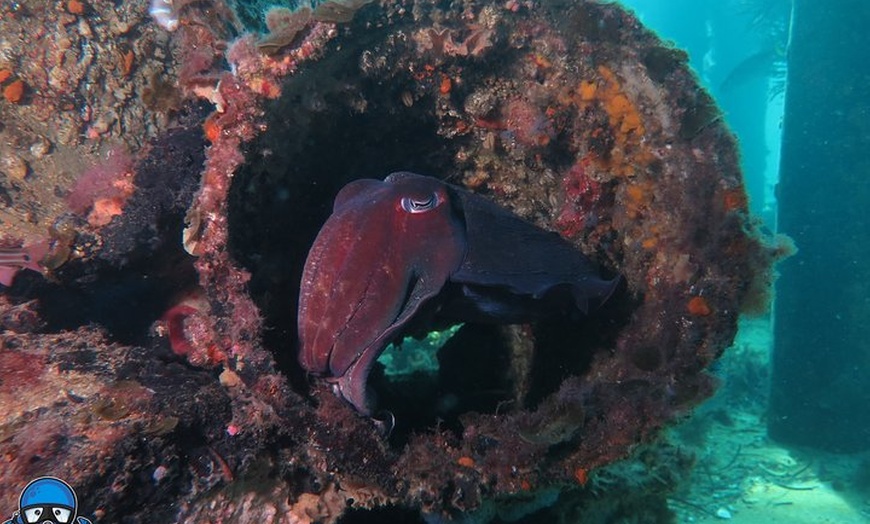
[{"x": 411, "y": 244}]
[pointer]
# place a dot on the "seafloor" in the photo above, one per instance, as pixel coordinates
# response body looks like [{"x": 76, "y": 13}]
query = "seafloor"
[
  {"x": 161, "y": 189},
  {"x": 742, "y": 476}
]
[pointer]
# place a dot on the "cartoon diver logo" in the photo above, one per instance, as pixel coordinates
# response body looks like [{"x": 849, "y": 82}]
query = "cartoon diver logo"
[{"x": 47, "y": 500}]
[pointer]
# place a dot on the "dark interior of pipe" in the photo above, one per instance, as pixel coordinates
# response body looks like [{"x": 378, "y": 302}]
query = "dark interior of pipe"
[{"x": 327, "y": 129}]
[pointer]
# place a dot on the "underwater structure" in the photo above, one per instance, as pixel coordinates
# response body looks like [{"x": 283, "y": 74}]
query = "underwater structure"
[
  {"x": 821, "y": 360},
  {"x": 166, "y": 175}
]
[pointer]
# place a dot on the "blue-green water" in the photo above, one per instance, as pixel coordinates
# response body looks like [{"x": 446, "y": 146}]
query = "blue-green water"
[
  {"x": 738, "y": 50},
  {"x": 797, "y": 98}
]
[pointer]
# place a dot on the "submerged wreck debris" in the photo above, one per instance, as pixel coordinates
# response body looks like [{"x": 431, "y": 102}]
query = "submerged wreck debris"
[{"x": 160, "y": 345}]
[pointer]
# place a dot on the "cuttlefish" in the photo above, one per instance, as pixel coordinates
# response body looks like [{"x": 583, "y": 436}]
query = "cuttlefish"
[{"x": 412, "y": 247}]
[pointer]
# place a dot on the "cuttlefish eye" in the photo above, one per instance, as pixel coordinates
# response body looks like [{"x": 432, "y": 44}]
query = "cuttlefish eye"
[{"x": 419, "y": 205}]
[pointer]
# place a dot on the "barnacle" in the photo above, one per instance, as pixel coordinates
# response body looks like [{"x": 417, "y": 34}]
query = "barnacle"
[{"x": 111, "y": 410}]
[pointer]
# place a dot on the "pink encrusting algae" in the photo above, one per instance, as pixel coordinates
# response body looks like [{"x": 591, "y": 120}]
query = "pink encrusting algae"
[
  {"x": 238, "y": 118},
  {"x": 101, "y": 190}
]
